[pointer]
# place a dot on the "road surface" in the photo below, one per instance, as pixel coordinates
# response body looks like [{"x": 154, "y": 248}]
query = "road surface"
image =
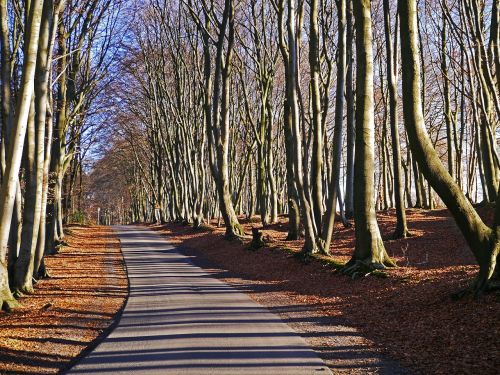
[{"x": 179, "y": 319}]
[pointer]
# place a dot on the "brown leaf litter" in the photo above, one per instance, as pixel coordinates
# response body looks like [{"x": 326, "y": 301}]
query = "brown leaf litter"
[
  {"x": 408, "y": 316},
  {"x": 69, "y": 311}
]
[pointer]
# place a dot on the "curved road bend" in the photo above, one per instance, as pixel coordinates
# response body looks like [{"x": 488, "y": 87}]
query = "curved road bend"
[{"x": 179, "y": 319}]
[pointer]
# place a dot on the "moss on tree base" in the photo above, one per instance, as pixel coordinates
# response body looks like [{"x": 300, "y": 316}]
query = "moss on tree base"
[
  {"x": 257, "y": 239},
  {"x": 7, "y": 301},
  {"x": 362, "y": 268},
  {"x": 9, "y": 304},
  {"x": 234, "y": 231}
]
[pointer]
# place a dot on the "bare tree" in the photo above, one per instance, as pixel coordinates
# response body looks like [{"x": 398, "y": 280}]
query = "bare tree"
[{"x": 369, "y": 252}]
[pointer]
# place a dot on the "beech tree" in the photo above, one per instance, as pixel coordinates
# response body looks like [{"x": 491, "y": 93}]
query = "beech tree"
[
  {"x": 392, "y": 72},
  {"x": 16, "y": 141},
  {"x": 30, "y": 146},
  {"x": 217, "y": 99},
  {"x": 230, "y": 109},
  {"x": 484, "y": 241},
  {"x": 369, "y": 251}
]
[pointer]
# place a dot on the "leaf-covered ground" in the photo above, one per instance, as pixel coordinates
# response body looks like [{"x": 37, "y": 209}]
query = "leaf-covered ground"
[
  {"x": 408, "y": 316},
  {"x": 69, "y": 311}
]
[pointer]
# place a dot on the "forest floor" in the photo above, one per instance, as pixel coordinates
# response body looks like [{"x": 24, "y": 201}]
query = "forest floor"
[
  {"x": 71, "y": 310},
  {"x": 408, "y": 316}
]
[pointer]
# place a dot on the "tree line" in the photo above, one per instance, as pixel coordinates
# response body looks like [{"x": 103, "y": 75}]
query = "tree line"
[
  {"x": 55, "y": 58},
  {"x": 319, "y": 110}
]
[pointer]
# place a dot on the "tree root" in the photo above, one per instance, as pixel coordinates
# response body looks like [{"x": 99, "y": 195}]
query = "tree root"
[
  {"x": 399, "y": 234},
  {"x": 22, "y": 291},
  {"x": 202, "y": 228},
  {"x": 17, "y": 294},
  {"x": 235, "y": 232},
  {"x": 477, "y": 288},
  {"x": 61, "y": 243},
  {"x": 303, "y": 256},
  {"x": 320, "y": 244},
  {"x": 57, "y": 248},
  {"x": 358, "y": 268},
  {"x": 345, "y": 222},
  {"x": 9, "y": 304},
  {"x": 43, "y": 273},
  {"x": 198, "y": 223},
  {"x": 258, "y": 240},
  {"x": 462, "y": 293},
  {"x": 52, "y": 251}
]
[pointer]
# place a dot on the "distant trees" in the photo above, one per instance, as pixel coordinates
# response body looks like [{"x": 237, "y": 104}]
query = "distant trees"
[
  {"x": 282, "y": 108},
  {"x": 225, "y": 109}
]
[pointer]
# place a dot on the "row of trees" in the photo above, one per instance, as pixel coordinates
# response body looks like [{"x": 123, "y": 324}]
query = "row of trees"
[
  {"x": 54, "y": 62},
  {"x": 297, "y": 107}
]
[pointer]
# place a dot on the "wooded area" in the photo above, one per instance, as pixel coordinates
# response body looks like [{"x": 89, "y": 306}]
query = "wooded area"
[
  {"x": 55, "y": 60},
  {"x": 195, "y": 110}
]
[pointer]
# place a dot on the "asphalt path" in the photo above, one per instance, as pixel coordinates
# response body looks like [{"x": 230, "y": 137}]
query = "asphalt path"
[{"x": 180, "y": 319}]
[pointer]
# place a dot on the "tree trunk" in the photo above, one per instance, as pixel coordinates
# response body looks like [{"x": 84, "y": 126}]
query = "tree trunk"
[
  {"x": 384, "y": 183},
  {"x": 9, "y": 183},
  {"x": 447, "y": 110},
  {"x": 31, "y": 211},
  {"x": 44, "y": 118},
  {"x": 293, "y": 199},
  {"x": 15, "y": 232},
  {"x": 351, "y": 132},
  {"x": 6, "y": 87},
  {"x": 419, "y": 186},
  {"x": 369, "y": 251},
  {"x": 54, "y": 233},
  {"x": 401, "y": 230},
  {"x": 220, "y": 121},
  {"x": 329, "y": 219},
  {"x": 483, "y": 241},
  {"x": 270, "y": 163},
  {"x": 317, "y": 129},
  {"x": 292, "y": 97}
]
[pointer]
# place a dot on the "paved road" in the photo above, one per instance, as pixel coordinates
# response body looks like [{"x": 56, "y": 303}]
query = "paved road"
[{"x": 179, "y": 319}]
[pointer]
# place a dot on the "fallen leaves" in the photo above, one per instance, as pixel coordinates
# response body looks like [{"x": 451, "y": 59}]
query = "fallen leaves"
[
  {"x": 68, "y": 311},
  {"x": 409, "y": 316}
]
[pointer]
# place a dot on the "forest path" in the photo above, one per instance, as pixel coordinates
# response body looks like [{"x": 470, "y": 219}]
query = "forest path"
[{"x": 179, "y": 319}]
